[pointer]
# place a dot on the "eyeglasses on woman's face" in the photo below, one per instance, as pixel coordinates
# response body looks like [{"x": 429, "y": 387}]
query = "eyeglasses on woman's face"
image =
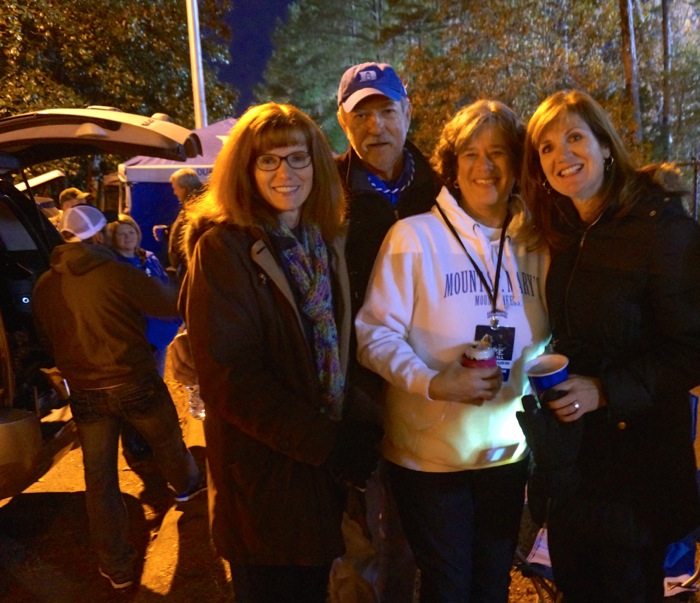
[{"x": 270, "y": 162}]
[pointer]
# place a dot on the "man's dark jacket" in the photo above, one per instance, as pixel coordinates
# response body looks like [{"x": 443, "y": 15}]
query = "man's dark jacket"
[
  {"x": 370, "y": 216},
  {"x": 90, "y": 309}
]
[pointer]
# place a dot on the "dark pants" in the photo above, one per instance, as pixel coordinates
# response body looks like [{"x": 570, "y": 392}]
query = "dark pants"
[
  {"x": 463, "y": 529},
  {"x": 99, "y": 415},
  {"x": 280, "y": 584},
  {"x": 603, "y": 552}
]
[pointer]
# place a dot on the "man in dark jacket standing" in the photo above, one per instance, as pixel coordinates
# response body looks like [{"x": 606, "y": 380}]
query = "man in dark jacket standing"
[
  {"x": 90, "y": 310},
  {"x": 386, "y": 178},
  {"x": 186, "y": 187}
]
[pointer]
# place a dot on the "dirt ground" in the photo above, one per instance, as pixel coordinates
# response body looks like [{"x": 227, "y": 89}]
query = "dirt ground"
[{"x": 45, "y": 553}]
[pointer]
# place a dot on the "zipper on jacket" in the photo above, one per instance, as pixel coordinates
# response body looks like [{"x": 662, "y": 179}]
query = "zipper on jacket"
[{"x": 573, "y": 272}]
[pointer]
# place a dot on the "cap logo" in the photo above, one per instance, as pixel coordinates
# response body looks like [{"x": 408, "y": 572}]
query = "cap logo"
[{"x": 368, "y": 79}]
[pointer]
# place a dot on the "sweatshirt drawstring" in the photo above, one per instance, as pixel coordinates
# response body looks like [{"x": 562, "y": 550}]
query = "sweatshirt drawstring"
[{"x": 512, "y": 272}]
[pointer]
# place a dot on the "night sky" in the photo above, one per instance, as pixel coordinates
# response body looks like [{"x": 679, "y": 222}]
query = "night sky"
[{"x": 252, "y": 23}]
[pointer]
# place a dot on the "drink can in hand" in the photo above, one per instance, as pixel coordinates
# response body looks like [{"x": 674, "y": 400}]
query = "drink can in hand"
[{"x": 479, "y": 354}]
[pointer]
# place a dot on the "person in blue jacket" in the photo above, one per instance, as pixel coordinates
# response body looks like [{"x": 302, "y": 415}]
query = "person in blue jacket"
[
  {"x": 125, "y": 236},
  {"x": 126, "y": 242}
]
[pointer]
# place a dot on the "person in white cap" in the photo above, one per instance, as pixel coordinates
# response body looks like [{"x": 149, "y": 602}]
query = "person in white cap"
[{"x": 89, "y": 309}]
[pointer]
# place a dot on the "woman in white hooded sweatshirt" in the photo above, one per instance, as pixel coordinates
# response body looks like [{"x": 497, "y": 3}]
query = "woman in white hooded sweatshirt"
[{"x": 457, "y": 457}]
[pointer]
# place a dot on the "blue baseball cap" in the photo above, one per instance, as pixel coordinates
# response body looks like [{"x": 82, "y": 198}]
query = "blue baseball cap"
[{"x": 361, "y": 81}]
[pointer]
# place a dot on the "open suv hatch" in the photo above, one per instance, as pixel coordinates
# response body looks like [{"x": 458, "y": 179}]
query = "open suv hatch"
[{"x": 36, "y": 426}]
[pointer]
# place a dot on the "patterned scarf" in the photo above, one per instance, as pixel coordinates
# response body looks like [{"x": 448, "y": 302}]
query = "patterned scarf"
[{"x": 306, "y": 262}]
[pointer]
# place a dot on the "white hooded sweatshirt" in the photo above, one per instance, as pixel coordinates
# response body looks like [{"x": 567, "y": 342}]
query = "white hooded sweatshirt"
[{"x": 424, "y": 303}]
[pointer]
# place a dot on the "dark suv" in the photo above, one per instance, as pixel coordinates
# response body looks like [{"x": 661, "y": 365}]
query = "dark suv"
[{"x": 36, "y": 426}]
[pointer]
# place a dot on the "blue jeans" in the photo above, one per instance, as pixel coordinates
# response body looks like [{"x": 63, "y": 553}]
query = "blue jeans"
[
  {"x": 147, "y": 405},
  {"x": 463, "y": 529}
]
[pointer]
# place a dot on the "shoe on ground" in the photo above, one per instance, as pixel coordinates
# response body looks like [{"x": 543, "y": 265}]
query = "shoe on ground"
[
  {"x": 119, "y": 579},
  {"x": 192, "y": 492}
]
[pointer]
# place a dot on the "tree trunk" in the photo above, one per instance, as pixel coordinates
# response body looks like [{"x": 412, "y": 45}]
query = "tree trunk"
[
  {"x": 629, "y": 59},
  {"x": 666, "y": 108}
]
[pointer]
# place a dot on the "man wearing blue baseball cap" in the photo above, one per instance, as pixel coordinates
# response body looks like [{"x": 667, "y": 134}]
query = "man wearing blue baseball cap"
[{"x": 386, "y": 178}]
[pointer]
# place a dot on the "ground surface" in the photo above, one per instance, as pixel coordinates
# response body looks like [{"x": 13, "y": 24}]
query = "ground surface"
[{"x": 45, "y": 553}]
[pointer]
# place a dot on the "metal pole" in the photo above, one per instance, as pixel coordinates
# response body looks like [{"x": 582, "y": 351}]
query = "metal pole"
[{"x": 200, "y": 102}]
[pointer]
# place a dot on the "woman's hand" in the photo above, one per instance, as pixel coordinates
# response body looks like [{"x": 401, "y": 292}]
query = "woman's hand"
[
  {"x": 580, "y": 395},
  {"x": 457, "y": 383}
]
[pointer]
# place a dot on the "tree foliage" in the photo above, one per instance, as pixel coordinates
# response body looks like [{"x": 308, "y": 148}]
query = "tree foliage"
[
  {"x": 452, "y": 52},
  {"x": 312, "y": 48},
  {"x": 129, "y": 54}
]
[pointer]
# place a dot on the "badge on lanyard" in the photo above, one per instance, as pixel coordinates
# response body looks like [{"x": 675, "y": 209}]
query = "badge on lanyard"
[{"x": 502, "y": 342}]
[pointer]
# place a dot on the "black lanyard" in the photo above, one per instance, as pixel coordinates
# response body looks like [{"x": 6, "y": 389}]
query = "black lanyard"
[{"x": 495, "y": 314}]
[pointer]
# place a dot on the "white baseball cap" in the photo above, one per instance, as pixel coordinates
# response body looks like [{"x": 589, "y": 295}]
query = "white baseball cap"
[{"x": 81, "y": 222}]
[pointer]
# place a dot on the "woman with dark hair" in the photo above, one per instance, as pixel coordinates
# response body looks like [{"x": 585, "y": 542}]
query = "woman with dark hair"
[
  {"x": 266, "y": 304},
  {"x": 457, "y": 458},
  {"x": 623, "y": 294}
]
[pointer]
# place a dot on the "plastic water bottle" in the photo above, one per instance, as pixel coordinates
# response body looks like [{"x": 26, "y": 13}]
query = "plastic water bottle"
[{"x": 195, "y": 402}]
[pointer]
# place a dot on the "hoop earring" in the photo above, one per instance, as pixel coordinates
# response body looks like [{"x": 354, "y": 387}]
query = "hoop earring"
[
  {"x": 547, "y": 186},
  {"x": 607, "y": 162},
  {"x": 456, "y": 184}
]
